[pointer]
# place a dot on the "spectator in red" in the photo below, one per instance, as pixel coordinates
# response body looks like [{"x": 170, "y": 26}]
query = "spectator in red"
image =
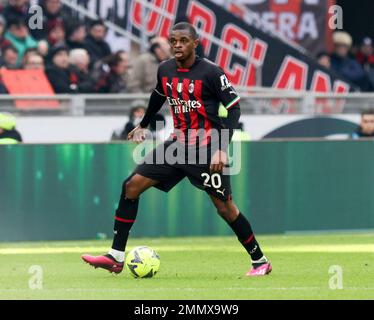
[
  {"x": 53, "y": 14},
  {"x": 56, "y": 33},
  {"x": 62, "y": 78},
  {"x": 111, "y": 78},
  {"x": 95, "y": 42},
  {"x": 76, "y": 35},
  {"x": 365, "y": 57}
]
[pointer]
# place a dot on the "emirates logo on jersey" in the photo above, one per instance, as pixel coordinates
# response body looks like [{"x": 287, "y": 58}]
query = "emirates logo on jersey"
[
  {"x": 188, "y": 103},
  {"x": 183, "y": 105}
]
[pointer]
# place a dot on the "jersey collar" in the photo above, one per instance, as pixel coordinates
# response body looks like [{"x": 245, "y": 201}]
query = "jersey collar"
[{"x": 197, "y": 60}]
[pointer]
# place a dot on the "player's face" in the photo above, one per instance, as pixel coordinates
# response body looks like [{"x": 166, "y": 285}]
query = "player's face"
[{"x": 182, "y": 44}]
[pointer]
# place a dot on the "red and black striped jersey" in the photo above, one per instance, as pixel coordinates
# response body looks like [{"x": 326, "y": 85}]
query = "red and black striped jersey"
[{"x": 194, "y": 96}]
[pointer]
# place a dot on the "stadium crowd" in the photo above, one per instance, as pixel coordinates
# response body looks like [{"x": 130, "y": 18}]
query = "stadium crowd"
[
  {"x": 73, "y": 54},
  {"x": 77, "y": 59}
]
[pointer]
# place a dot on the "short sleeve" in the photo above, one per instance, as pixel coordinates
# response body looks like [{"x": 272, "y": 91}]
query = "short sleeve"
[{"x": 223, "y": 89}]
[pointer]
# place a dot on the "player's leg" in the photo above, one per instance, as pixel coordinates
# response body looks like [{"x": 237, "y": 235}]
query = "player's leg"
[
  {"x": 227, "y": 209},
  {"x": 150, "y": 173},
  {"x": 127, "y": 211},
  {"x": 125, "y": 217}
]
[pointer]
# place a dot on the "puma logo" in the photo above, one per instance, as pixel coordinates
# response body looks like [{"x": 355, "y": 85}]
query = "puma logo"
[
  {"x": 221, "y": 192},
  {"x": 169, "y": 85}
]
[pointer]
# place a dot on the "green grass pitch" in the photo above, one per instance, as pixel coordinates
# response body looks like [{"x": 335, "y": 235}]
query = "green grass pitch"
[{"x": 197, "y": 268}]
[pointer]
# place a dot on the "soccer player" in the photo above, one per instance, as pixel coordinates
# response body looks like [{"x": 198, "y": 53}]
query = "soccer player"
[{"x": 194, "y": 89}]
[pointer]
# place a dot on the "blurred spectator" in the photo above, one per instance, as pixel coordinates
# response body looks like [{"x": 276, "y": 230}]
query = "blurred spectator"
[
  {"x": 95, "y": 42},
  {"x": 365, "y": 57},
  {"x": 343, "y": 64},
  {"x": 56, "y": 34},
  {"x": 9, "y": 57},
  {"x": 125, "y": 57},
  {"x": 43, "y": 48},
  {"x": 80, "y": 60},
  {"x": 143, "y": 77},
  {"x": 53, "y": 15},
  {"x": 366, "y": 128},
  {"x": 8, "y": 132},
  {"x": 18, "y": 34},
  {"x": 62, "y": 78},
  {"x": 324, "y": 60},
  {"x": 3, "y": 42},
  {"x": 137, "y": 112},
  {"x": 75, "y": 35},
  {"x": 29, "y": 52},
  {"x": 16, "y": 10},
  {"x": 33, "y": 61},
  {"x": 110, "y": 79}
]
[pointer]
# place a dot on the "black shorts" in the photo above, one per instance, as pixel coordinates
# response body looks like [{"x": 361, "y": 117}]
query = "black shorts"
[{"x": 170, "y": 174}]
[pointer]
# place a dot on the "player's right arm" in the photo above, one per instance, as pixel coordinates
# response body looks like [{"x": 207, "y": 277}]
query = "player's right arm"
[{"x": 155, "y": 103}]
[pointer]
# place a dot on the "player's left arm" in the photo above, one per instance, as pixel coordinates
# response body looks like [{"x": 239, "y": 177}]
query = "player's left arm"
[{"x": 229, "y": 98}]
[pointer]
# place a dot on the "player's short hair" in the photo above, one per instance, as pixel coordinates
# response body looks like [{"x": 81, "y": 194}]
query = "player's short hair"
[
  {"x": 186, "y": 26},
  {"x": 367, "y": 112}
]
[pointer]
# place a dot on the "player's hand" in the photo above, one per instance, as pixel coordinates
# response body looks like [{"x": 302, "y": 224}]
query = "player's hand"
[
  {"x": 136, "y": 135},
  {"x": 218, "y": 161}
]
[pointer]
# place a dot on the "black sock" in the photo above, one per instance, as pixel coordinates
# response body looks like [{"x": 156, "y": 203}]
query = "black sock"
[
  {"x": 244, "y": 232},
  {"x": 124, "y": 219}
]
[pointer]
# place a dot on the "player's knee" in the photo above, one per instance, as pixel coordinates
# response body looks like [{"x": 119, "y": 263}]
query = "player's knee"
[
  {"x": 222, "y": 210},
  {"x": 130, "y": 189},
  {"x": 227, "y": 211}
]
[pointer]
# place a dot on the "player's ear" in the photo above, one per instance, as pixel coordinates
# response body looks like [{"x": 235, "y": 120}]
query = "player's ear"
[{"x": 196, "y": 42}]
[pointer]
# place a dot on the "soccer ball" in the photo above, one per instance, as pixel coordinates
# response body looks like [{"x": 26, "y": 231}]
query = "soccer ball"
[{"x": 143, "y": 262}]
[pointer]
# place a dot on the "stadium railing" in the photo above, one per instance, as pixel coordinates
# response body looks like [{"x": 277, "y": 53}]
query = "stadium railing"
[{"x": 253, "y": 101}]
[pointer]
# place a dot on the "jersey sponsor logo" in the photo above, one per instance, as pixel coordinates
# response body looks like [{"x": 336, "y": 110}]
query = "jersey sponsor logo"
[{"x": 183, "y": 105}]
